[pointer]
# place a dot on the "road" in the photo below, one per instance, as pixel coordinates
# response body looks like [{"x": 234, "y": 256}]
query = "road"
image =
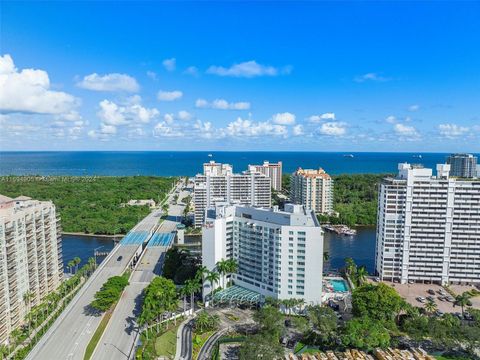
[
  {"x": 186, "y": 339},
  {"x": 69, "y": 336},
  {"x": 120, "y": 335}
]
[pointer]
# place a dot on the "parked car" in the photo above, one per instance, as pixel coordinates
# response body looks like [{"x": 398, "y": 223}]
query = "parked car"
[
  {"x": 411, "y": 281},
  {"x": 421, "y": 299},
  {"x": 441, "y": 298},
  {"x": 458, "y": 315},
  {"x": 431, "y": 292},
  {"x": 450, "y": 298},
  {"x": 439, "y": 313},
  {"x": 430, "y": 298}
]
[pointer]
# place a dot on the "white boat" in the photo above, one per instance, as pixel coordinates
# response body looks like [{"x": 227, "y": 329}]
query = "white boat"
[
  {"x": 348, "y": 155},
  {"x": 210, "y": 155}
]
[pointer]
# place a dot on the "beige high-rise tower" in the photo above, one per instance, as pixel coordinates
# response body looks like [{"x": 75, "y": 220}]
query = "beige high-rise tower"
[
  {"x": 313, "y": 189},
  {"x": 30, "y": 257}
]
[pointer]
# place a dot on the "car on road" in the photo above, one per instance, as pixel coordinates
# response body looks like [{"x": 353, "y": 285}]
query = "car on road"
[{"x": 120, "y": 258}]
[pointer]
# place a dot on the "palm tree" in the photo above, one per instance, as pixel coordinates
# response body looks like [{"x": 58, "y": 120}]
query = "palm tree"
[
  {"x": 201, "y": 273},
  {"x": 361, "y": 274},
  {"x": 462, "y": 300},
  {"x": 91, "y": 264},
  {"x": 194, "y": 286},
  {"x": 222, "y": 268},
  {"x": 430, "y": 306},
  {"x": 232, "y": 266},
  {"x": 212, "y": 277},
  {"x": 77, "y": 261},
  {"x": 350, "y": 266},
  {"x": 202, "y": 321},
  {"x": 326, "y": 256},
  {"x": 70, "y": 265},
  {"x": 184, "y": 291},
  {"x": 27, "y": 299}
]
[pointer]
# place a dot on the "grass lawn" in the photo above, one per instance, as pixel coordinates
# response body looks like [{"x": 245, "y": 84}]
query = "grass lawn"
[
  {"x": 198, "y": 341},
  {"x": 166, "y": 344},
  {"x": 97, "y": 335},
  {"x": 440, "y": 357}
]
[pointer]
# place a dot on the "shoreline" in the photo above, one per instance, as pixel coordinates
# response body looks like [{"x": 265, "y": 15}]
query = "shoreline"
[{"x": 93, "y": 235}]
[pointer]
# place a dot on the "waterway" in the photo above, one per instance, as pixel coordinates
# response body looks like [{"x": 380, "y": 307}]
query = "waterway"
[{"x": 360, "y": 247}]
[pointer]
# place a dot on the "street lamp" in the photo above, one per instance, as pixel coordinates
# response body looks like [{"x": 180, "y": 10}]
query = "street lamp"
[{"x": 95, "y": 254}]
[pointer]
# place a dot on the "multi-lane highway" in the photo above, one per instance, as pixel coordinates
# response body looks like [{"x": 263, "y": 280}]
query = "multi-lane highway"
[
  {"x": 69, "y": 335},
  {"x": 120, "y": 335}
]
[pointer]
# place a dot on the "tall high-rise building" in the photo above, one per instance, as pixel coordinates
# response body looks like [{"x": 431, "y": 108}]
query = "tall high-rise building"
[
  {"x": 428, "y": 227},
  {"x": 31, "y": 257},
  {"x": 272, "y": 170},
  {"x": 218, "y": 184},
  {"x": 279, "y": 253},
  {"x": 463, "y": 165},
  {"x": 313, "y": 189}
]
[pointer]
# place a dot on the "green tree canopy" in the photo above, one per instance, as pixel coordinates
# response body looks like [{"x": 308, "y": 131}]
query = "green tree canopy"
[
  {"x": 380, "y": 302},
  {"x": 365, "y": 333}
]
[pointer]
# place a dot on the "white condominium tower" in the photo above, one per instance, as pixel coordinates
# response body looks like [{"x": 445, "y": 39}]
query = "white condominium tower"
[
  {"x": 272, "y": 170},
  {"x": 428, "y": 227},
  {"x": 313, "y": 189},
  {"x": 463, "y": 165},
  {"x": 31, "y": 257},
  {"x": 279, "y": 253},
  {"x": 218, "y": 184}
]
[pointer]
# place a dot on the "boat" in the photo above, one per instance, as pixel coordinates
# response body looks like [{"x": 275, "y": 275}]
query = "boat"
[
  {"x": 348, "y": 155},
  {"x": 340, "y": 230},
  {"x": 417, "y": 156},
  {"x": 210, "y": 155}
]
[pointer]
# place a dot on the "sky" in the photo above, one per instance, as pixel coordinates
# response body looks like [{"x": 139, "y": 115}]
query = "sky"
[{"x": 298, "y": 76}]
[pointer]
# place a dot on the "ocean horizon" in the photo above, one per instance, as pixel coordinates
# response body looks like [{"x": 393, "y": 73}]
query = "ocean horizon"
[{"x": 189, "y": 163}]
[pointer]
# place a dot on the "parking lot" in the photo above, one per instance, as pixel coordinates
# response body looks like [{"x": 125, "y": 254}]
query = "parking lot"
[{"x": 410, "y": 292}]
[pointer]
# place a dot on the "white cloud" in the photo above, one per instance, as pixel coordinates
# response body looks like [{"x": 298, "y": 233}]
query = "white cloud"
[
  {"x": 248, "y": 128},
  {"x": 70, "y": 116},
  {"x": 370, "y": 77},
  {"x": 332, "y": 129},
  {"x": 285, "y": 118},
  {"x": 405, "y": 131},
  {"x": 248, "y": 69},
  {"x": 414, "y": 107},
  {"x": 164, "y": 130},
  {"x": 191, "y": 70},
  {"x": 391, "y": 119},
  {"x": 452, "y": 130},
  {"x": 109, "y": 82},
  {"x": 152, "y": 75},
  {"x": 184, "y": 115},
  {"x": 132, "y": 111},
  {"x": 28, "y": 91},
  {"x": 205, "y": 130},
  {"x": 321, "y": 117},
  {"x": 169, "y": 118},
  {"x": 169, "y": 95},
  {"x": 297, "y": 130},
  {"x": 170, "y": 64},
  {"x": 222, "y": 104}
]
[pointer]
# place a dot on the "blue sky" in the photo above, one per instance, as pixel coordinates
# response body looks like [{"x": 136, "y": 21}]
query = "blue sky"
[{"x": 323, "y": 76}]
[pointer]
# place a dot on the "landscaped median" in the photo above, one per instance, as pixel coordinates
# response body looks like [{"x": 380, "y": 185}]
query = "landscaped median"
[{"x": 105, "y": 301}]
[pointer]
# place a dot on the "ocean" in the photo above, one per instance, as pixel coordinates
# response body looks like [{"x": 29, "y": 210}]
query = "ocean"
[{"x": 177, "y": 163}]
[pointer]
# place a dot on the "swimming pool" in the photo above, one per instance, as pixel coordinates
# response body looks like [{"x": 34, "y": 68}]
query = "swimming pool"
[{"x": 338, "y": 285}]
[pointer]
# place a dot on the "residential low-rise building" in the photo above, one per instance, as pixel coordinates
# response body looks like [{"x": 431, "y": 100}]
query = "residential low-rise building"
[
  {"x": 30, "y": 258},
  {"x": 279, "y": 253},
  {"x": 428, "y": 227},
  {"x": 312, "y": 188}
]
